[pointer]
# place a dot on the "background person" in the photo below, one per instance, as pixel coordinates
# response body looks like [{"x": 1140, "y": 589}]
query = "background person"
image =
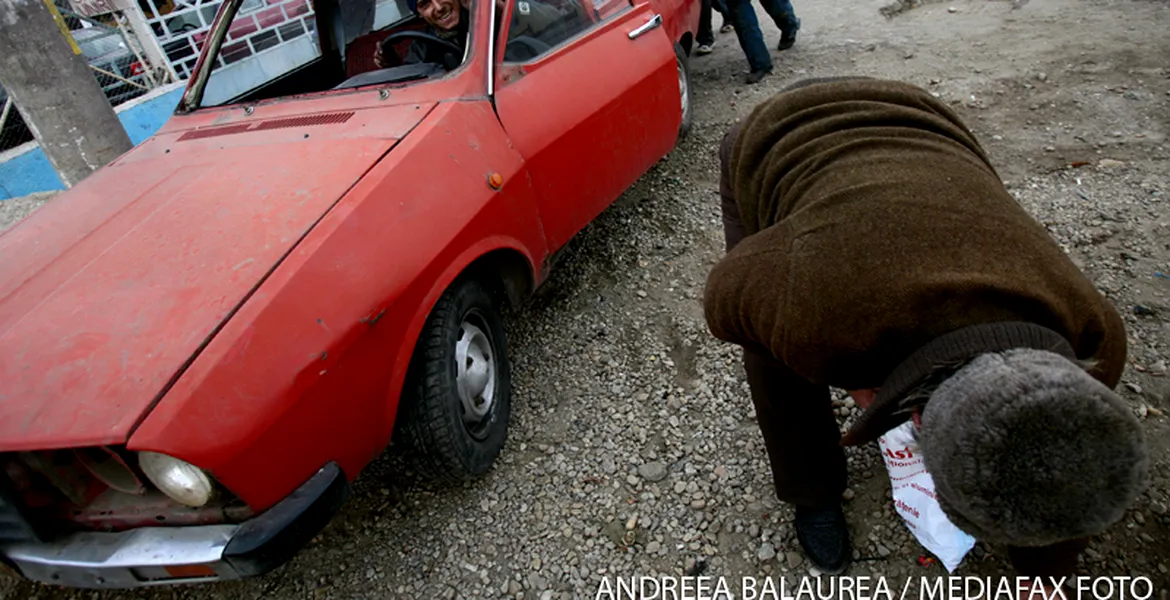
[
  {"x": 751, "y": 39},
  {"x": 705, "y": 36}
]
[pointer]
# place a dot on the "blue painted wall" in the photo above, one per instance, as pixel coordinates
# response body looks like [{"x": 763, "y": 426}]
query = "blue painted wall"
[
  {"x": 141, "y": 121},
  {"x": 30, "y": 171}
]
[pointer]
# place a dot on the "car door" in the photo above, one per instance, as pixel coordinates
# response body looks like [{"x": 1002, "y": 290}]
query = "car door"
[{"x": 590, "y": 99}]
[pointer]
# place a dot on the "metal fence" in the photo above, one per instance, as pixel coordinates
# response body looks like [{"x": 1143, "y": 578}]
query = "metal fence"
[
  {"x": 13, "y": 131},
  {"x": 181, "y": 26},
  {"x": 118, "y": 44},
  {"x": 115, "y": 56}
]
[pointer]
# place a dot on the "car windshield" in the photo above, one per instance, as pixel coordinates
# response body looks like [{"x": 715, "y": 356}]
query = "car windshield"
[{"x": 274, "y": 48}]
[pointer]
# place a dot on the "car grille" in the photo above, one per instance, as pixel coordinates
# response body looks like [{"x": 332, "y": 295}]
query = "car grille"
[{"x": 13, "y": 526}]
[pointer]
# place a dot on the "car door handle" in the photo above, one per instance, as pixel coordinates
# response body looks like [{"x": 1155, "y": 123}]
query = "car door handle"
[{"x": 654, "y": 22}]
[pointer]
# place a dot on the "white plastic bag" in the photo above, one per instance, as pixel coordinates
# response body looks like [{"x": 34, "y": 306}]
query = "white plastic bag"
[{"x": 914, "y": 498}]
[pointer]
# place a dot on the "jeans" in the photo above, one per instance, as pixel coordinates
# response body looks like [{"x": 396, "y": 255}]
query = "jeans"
[
  {"x": 706, "y": 36},
  {"x": 747, "y": 28}
]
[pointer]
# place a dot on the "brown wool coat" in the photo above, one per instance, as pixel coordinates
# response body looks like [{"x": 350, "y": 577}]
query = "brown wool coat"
[{"x": 875, "y": 225}]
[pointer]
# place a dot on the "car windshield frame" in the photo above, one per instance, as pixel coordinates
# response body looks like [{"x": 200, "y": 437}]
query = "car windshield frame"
[
  {"x": 193, "y": 95},
  {"x": 217, "y": 34}
]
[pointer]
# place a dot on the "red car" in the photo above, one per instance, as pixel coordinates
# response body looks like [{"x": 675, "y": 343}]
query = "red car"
[{"x": 205, "y": 342}]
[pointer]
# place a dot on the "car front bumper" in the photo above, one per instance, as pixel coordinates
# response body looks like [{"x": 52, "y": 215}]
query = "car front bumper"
[{"x": 168, "y": 555}]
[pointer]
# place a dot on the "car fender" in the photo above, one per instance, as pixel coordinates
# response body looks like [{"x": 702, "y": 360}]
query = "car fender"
[
  {"x": 308, "y": 370},
  {"x": 462, "y": 264}
]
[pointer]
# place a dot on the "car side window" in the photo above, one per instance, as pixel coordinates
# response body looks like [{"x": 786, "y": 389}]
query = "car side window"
[{"x": 538, "y": 26}]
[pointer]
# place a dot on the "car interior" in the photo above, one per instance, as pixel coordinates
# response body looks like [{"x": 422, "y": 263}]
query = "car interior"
[{"x": 350, "y": 65}]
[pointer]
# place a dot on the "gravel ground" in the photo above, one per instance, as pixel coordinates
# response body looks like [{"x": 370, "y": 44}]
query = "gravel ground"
[
  {"x": 633, "y": 449},
  {"x": 15, "y": 209}
]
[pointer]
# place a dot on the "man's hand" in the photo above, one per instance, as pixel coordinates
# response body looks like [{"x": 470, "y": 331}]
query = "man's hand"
[
  {"x": 864, "y": 398},
  {"x": 379, "y": 58}
]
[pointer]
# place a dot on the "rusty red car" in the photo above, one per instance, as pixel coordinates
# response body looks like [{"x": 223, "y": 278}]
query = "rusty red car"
[{"x": 205, "y": 342}]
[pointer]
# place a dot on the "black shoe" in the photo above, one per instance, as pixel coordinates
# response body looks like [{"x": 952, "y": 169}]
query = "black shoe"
[
  {"x": 824, "y": 535},
  {"x": 756, "y": 76},
  {"x": 788, "y": 38}
]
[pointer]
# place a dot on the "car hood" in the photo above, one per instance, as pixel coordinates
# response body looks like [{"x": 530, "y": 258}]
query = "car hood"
[{"x": 108, "y": 291}]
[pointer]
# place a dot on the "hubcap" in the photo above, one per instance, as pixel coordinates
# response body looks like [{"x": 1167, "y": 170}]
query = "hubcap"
[
  {"x": 683, "y": 91},
  {"x": 475, "y": 373}
]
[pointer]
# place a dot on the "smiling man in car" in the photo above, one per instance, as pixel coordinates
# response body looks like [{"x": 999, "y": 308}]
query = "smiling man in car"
[
  {"x": 446, "y": 19},
  {"x": 449, "y": 19}
]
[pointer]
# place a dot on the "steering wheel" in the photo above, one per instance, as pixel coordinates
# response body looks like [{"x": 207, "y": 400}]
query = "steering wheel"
[
  {"x": 427, "y": 38},
  {"x": 523, "y": 47}
]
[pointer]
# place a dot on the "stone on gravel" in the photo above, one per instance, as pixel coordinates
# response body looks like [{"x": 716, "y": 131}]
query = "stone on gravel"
[
  {"x": 653, "y": 471},
  {"x": 766, "y": 551}
]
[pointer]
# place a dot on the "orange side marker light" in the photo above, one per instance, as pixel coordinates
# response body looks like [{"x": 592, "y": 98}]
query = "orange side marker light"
[{"x": 189, "y": 571}]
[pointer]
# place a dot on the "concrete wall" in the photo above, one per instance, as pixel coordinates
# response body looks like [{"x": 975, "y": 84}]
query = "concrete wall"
[{"x": 25, "y": 169}]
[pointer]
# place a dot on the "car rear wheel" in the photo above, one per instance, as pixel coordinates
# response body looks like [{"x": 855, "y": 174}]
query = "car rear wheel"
[
  {"x": 457, "y": 397},
  {"x": 684, "y": 89}
]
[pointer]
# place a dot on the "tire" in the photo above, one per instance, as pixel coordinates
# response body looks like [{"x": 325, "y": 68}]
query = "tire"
[
  {"x": 684, "y": 86},
  {"x": 457, "y": 398}
]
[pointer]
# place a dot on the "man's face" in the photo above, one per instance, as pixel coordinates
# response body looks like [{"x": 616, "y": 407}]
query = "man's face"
[{"x": 441, "y": 14}]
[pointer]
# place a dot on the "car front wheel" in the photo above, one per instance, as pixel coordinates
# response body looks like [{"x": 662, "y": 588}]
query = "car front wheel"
[
  {"x": 457, "y": 397},
  {"x": 684, "y": 90}
]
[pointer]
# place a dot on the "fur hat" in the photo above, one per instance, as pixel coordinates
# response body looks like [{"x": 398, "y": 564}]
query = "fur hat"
[{"x": 1025, "y": 448}]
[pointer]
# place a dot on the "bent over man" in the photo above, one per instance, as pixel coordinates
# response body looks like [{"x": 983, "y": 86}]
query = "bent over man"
[{"x": 872, "y": 247}]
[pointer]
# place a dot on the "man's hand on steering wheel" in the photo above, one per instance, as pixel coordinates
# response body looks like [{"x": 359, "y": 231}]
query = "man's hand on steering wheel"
[{"x": 427, "y": 38}]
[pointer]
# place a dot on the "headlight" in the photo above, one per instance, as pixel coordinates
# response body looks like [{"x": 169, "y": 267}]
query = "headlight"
[{"x": 183, "y": 482}]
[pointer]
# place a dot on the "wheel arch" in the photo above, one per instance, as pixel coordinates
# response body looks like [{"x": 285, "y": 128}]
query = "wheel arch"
[
  {"x": 504, "y": 260},
  {"x": 686, "y": 41},
  {"x": 510, "y": 269}
]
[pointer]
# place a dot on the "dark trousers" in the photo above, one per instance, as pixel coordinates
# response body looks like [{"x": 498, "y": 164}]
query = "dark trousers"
[
  {"x": 747, "y": 28},
  {"x": 795, "y": 416},
  {"x": 799, "y": 428},
  {"x": 706, "y": 35}
]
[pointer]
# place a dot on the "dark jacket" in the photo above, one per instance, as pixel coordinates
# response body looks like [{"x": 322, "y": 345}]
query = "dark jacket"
[{"x": 876, "y": 226}]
